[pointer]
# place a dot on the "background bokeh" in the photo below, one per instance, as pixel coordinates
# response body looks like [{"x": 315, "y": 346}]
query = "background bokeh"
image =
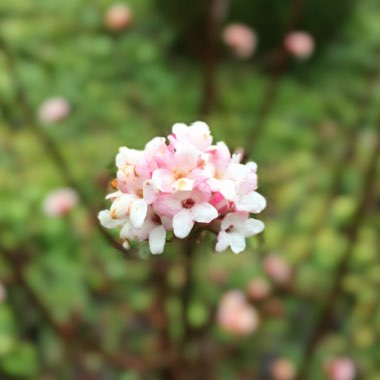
[{"x": 72, "y": 306}]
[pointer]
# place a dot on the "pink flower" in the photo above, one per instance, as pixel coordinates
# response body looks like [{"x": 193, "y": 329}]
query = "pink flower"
[
  {"x": 342, "y": 368},
  {"x": 118, "y": 17},
  {"x": 60, "y": 202},
  {"x": 235, "y": 315},
  {"x": 282, "y": 369},
  {"x": 241, "y": 39},
  {"x": 184, "y": 183},
  {"x": 299, "y": 44},
  {"x": 53, "y": 110},
  {"x": 277, "y": 268}
]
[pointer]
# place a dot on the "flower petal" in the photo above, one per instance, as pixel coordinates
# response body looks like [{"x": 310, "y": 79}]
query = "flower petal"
[
  {"x": 223, "y": 242},
  {"x": 167, "y": 205},
  {"x": 234, "y": 219},
  {"x": 183, "y": 184},
  {"x": 138, "y": 213},
  {"x": 157, "y": 239},
  {"x": 126, "y": 231},
  {"x": 251, "y": 202},
  {"x": 107, "y": 221},
  {"x": 253, "y": 227},
  {"x": 163, "y": 179},
  {"x": 182, "y": 223},
  {"x": 228, "y": 189},
  {"x": 186, "y": 157},
  {"x": 237, "y": 242},
  {"x": 204, "y": 212},
  {"x": 150, "y": 192},
  {"x": 121, "y": 206}
]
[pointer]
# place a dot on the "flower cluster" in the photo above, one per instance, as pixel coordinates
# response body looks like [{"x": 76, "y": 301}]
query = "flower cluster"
[{"x": 182, "y": 183}]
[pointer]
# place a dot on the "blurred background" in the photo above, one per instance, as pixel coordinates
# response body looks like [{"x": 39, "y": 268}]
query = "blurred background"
[{"x": 295, "y": 84}]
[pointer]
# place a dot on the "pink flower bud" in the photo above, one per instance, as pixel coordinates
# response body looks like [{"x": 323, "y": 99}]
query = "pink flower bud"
[
  {"x": 60, "y": 202},
  {"x": 53, "y": 110},
  {"x": 258, "y": 289},
  {"x": 282, "y": 369},
  {"x": 235, "y": 315},
  {"x": 241, "y": 39},
  {"x": 277, "y": 268},
  {"x": 299, "y": 44},
  {"x": 342, "y": 368},
  {"x": 118, "y": 17}
]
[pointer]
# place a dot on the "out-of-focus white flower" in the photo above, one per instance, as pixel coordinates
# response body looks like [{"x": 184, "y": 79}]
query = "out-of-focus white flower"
[
  {"x": 299, "y": 44},
  {"x": 241, "y": 39},
  {"x": 53, "y": 110},
  {"x": 277, "y": 268},
  {"x": 258, "y": 289},
  {"x": 342, "y": 368},
  {"x": 118, "y": 17},
  {"x": 282, "y": 369},
  {"x": 235, "y": 315},
  {"x": 60, "y": 202},
  {"x": 182, "y": 183}
]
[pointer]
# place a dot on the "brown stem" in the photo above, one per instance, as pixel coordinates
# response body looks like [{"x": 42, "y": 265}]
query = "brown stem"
[
  {"x": 209, "y": 55},
  {"x": 160, "y": 269},
  {"x": 185, "y": 295},
  {"x": 324, "y": 321}
]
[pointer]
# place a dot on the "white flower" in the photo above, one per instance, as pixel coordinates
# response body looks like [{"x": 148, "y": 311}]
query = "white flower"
[
  {"x": 186, "y": 208},
  {"x": 152, "y": 229},
  {"x": 235, "y": 228},
  {"x": 128, "y": 205}
]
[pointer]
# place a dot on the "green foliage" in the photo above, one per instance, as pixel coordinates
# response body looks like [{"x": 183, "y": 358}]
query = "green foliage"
[{"x": 69, "y": 285}]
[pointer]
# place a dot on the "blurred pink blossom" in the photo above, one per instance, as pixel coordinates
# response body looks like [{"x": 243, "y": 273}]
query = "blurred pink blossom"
[
  {"x": 342, "y": 368},
  {"x": 60, "y": 202},
  {"x": 118, "y": 17},
  {"x": 53, "y": 110},
  {"x": 277, "y": 268},
  {"x": 258, "y": 289},
  {"x": 282, "y": 369},
  {"x": 235, "y": 315},
  {"x": 299, "y": 44},
  {"x": 241, "y": 39}
]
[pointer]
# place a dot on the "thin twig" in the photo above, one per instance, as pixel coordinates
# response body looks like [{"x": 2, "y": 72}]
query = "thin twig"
[{"x": 217, "y": 10}]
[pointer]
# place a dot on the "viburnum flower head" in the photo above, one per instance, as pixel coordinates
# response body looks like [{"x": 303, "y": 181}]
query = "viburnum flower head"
[{"x": 184, "y": 183}]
